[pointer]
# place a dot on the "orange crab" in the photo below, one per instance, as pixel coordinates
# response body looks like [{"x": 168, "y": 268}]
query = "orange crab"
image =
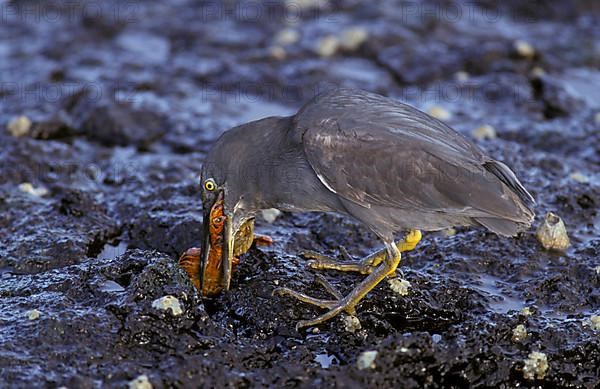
[{"x": 209, "y": 281}]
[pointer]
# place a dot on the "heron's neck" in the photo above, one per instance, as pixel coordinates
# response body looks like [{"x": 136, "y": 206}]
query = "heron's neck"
[
  {"x": 264, "y": 162},
  {"x": 278, "y": 175}
]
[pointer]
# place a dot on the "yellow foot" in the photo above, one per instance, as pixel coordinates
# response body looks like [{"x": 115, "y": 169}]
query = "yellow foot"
[
  {"x": 387, "y": 266},
  {"x": 334, "y": 307},
  {"x": 364, "y": 266},
  {"x": 410, "y": 241},
  {"x": 323, "y": 262}
]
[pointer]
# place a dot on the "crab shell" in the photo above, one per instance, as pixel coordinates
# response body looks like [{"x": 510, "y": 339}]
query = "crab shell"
[{"x": 209, "y": 281}]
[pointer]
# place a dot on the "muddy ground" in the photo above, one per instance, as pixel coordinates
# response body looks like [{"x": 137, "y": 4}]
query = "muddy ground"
[{"x": 124, "y": 100}]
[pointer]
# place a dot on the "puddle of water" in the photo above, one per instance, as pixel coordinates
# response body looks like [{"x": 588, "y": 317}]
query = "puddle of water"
[
  {"x": 358, "y": 69},
  {"x": 245, "y": 107},
  {"x": 6, "y": 270},
  {"x": 581, "y": 84},
  {"x": 324, "y": 338},
  {"x": 261, "y": 108},
  {"x": 499, "y": 301},
  {"x": 111, "y": 286},
  {"x": 111, "y": 251},
  {"x": 326, "y": 360},
  {"x": 589, "y": 233}
]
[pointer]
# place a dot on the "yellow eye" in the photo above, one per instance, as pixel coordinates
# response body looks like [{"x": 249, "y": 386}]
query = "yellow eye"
[{"x": 209, "y": 185}]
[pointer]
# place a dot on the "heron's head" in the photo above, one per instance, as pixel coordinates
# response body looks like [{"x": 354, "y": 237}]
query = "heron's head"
[
  {"x": 224, "y": 212},
  {"x": 234, "y": 181}
]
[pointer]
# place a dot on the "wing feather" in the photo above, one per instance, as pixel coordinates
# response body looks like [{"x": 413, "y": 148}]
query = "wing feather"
[{"x": 374, "y": 151}]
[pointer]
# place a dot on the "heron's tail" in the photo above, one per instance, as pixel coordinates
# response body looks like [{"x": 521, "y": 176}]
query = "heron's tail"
[
  {"x": 509, "y": 179},
  {"x": 522, "y": 198},
  {"x": 502, "y": 227}
]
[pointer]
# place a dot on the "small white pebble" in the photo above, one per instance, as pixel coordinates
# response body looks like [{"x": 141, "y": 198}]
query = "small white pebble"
[
  {"x": 168, "y": 302},
  {"x": 537, "y": 71},
  {"x": 439, "y": 113},
  {"x": 353, "y": 37},
  {"x": 287, "y": 36},
  {"x": 519, "y": 333},
  {"x": 19, "y": 126},
  {"x": 110, "y": 286},
  {"x": 366, "y": 360},
  {"x": 141, "y": 382},
  {"x": 403, "y": 350},
  {"x": 552, "y": 233},
  {"x": 526, "y": 311},
  {"x": 270, "y": 215},
  {"x": 595, "y": 322},
  {"x": 327, "y": 46},
  {"x": 33, "y": 314},
  {"x": 597, "y": 268},
  {"x": 524, "y": 49},
  {"x": 580, "y": 177},
  {"x": 461, "y": 76},
  {"x": 27, "y": 187},
  {"x": 278, "y": 53},
  {"x": 316, "y": 330},
  {"x": 306, "y": 5},
  {"x": 448, "y": 232},
  {"x": 536, "y": 366},
  {"x": 351, "y": 323},
  {"x": 484, "y": 132},
  {"x": 399, "y": 286}
]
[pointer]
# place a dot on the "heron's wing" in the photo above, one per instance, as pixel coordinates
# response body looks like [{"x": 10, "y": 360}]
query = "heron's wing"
[{"x": 373, "y": 151}]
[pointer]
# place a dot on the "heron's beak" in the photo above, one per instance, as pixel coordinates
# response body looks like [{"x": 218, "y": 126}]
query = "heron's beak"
[{"x": 217, "y": 248}]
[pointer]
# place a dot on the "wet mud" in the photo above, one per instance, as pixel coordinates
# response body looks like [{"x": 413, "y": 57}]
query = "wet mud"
[{"x": 125, "y": 98}]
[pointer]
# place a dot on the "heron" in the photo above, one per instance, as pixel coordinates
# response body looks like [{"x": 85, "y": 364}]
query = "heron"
[{"x": 388, "y": 165}]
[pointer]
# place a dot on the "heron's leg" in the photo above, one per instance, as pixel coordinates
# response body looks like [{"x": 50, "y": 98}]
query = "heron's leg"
[
  {"x": 327, "y": 304},
  {"x": 349, "y": 302},
  {"x": 364, "y": 266}
]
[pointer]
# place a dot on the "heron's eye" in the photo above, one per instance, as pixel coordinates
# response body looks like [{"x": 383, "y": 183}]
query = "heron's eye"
[{"x": 209, "y": 185}]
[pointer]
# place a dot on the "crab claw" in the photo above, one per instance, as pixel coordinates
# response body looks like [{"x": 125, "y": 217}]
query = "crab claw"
[
  {"x": 206, "y": 270},
  {"x": 262, "y": 240},
  {"x": 190, "y": 262}
]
